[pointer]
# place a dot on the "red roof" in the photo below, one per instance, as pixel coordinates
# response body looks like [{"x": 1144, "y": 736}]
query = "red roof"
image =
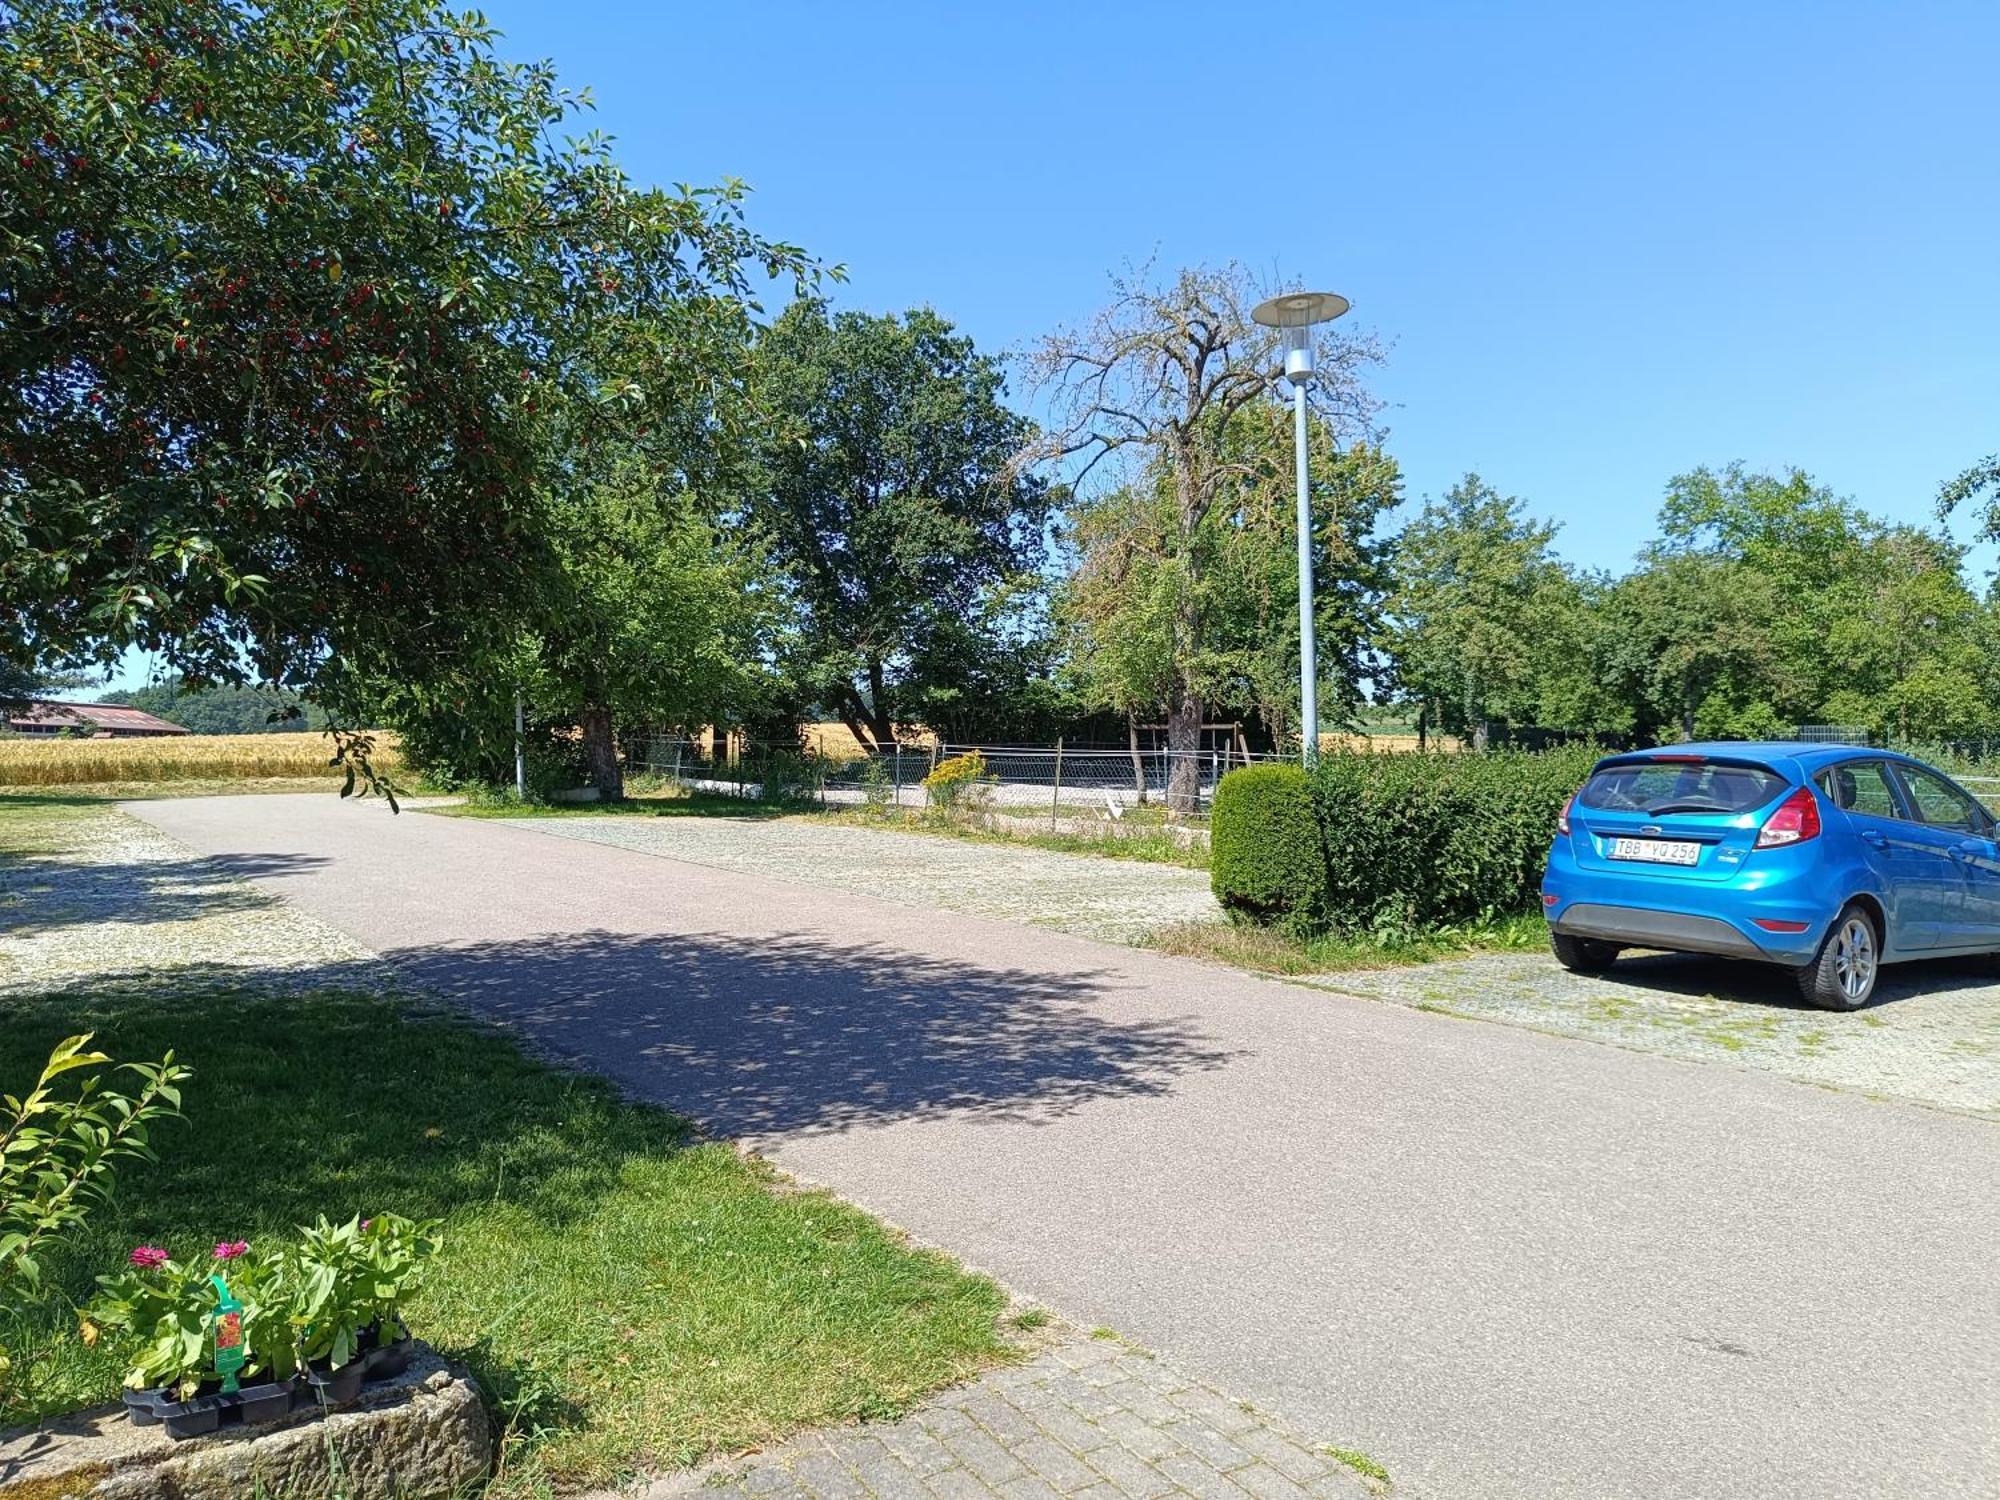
[{"x": 106, "y": 718}]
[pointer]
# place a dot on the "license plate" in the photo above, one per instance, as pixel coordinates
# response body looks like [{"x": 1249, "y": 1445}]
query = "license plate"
[{"x": 1656, "y": 851}]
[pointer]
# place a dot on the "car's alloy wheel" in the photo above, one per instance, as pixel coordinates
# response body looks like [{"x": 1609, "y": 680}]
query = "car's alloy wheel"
[
  {"x": 1842, "y": 976},
  {"x": 1854, "y": 959}
]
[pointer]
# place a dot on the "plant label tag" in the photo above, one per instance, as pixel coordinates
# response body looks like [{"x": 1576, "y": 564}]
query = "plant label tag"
[{"x": 230, "y": 1355}]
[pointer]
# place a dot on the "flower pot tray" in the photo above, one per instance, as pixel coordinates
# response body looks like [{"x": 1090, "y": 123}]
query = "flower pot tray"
[{"x": 211, "y": 1408}]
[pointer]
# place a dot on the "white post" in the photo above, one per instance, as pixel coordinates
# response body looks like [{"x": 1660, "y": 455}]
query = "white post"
[
  {"x": 520, "y": 755},
  {"x": 1308, "y": 665}
]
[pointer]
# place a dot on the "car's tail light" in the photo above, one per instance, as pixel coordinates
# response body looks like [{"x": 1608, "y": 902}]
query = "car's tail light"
[
  {"x": 1792, "y": 821},
  {"x": 1562, "y": 818}
]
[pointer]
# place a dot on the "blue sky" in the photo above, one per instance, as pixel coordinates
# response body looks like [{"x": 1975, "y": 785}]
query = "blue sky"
[{"x": 1608, "y": 242}]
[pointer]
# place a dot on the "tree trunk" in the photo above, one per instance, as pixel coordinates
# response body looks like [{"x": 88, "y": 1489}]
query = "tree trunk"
[
  {"x": 1184, "y": 751},
  {"x": 600, "y": 754},
  {"x": 878, "y": 712},
  {"x": 1687, "y": 718},
  {"x": 857, "y": 725},
  {"x": 1138, "y": 765}
]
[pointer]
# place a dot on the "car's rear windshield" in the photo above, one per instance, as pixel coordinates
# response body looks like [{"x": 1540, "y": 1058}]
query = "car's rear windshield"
[{"x": 1658, "y": 787}]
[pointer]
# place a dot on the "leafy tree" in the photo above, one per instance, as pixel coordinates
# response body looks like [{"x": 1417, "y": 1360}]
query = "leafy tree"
[
  {"x": 1253, "y": 589},
  {"x": 1687, "y": 641},
  {"x": 1474, "y": 586},
  {"x": 1862, "y": 622},
  {"x": 658, "y": 629},
  {"x": 1152, "y": 387},
  {"x": 908, "y": 546},
  {"x": 1136, "y": 567},
  {"x": 1981, "y": 482},
  {"x": 300, "y": 296}
]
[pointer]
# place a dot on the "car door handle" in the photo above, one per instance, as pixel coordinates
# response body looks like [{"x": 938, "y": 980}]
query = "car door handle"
[
  {"x": 1970, "y": 849},
  {"x": 1879, "y": 840}
]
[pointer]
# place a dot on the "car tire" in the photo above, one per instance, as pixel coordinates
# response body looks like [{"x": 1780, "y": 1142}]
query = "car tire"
[
  {"x": 1582, "y": 955},
  {"x": 1843, "y": 973}
]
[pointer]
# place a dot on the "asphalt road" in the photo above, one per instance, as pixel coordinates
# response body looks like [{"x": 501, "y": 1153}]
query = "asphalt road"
[{"x": 1505, "y": 1264}]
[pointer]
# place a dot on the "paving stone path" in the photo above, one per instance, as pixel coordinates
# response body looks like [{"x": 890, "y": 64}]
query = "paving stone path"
[
  {"x": 1091, "y": 1417},
  {"x": 1932, "y": 1036}
]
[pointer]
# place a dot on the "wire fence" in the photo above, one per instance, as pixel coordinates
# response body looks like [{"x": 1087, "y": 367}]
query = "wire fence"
[
  {"x": 1066, "y": 784},
  {"x": 1830, "y": 734},
  {"x": 1014, "y": 780}
]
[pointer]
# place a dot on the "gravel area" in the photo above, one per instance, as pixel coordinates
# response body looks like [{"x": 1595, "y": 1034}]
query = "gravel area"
[
  {"x": 1933, "y": 1036},
  {"x": 1115, "y": 899},
  {"x": 109, "y": 895}
]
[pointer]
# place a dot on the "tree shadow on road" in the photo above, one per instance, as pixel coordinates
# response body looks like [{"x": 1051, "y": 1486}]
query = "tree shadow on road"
[
  {"x": 41, "y": 893},
  {"x": 762, "y": 1036},
  {"x": 799, "y": 1033}
]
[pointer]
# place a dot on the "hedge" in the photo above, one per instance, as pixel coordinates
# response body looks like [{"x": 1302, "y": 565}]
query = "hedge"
[
  {"x": 1267, "y": 865},
  {"x": 1406, "y": 842}
]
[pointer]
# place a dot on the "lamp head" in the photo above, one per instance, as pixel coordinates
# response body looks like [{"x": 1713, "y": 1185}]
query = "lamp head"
[{"x": 1293, "y": 314}]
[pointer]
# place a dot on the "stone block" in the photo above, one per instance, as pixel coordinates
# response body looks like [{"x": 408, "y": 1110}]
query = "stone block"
[{"x": 421, "y": 1436}]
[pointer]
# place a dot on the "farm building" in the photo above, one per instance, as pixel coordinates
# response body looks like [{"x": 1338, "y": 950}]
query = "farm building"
[{"x": 97, "y": 721}]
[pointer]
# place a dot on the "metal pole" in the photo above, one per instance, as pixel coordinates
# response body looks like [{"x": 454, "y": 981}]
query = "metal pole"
[
  {"x": 899, "y": 775},
  {"x": 1055, "y": 791},
  {"x": 1308, "y": 666},
  {"x": 520, "y": 756}
]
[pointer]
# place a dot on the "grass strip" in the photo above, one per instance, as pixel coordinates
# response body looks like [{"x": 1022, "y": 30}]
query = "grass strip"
[{"x": 1265, "y": 950}]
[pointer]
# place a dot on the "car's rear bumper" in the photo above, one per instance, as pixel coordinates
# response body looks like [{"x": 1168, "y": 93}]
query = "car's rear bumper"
[
  {"x": 1637, "y": 927},
  {"x": 1643, "y": 909}
]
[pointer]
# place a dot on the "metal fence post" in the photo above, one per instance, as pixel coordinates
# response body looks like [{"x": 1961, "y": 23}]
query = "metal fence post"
[
  {"x": 520, "y": 754},
  {"x": 1055, "y": 791},
  {"x": 899, "y": 775}
]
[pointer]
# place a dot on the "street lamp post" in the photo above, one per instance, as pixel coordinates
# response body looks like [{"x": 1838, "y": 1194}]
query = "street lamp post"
[{"x": 1293, "y": 315}]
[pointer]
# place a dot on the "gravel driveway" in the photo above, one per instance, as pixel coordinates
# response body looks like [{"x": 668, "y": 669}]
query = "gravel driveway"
[
  {"x": 1116, "y": 899},
  {"x": 1932, "y": 1037}
]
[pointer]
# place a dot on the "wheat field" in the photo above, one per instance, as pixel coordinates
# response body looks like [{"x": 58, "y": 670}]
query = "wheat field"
[{"x": 194, "y": 757}]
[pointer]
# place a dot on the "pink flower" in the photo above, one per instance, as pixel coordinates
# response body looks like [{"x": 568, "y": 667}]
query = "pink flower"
[
  {"x": 364, "y": 1225},
  {"x": 230, "y": 1249},
  {"x": 148, "y": 1256}
]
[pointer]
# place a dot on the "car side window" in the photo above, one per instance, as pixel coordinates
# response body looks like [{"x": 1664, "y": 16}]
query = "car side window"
[
  {"x": 1940, "y": 804},
  {"x": 1861, "y": 787}
]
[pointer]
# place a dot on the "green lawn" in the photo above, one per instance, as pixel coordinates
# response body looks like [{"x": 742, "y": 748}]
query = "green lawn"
[
  {"x": 648, "y": 805},
  {"x": 628, "y": 1295}
]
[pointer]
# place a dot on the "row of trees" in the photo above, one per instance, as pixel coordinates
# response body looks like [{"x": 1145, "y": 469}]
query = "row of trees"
[
  {"x": 334, "y": 365},
  {"x": 1762, "y": 603}
]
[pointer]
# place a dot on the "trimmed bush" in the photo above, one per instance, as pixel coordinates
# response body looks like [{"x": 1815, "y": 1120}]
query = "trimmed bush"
[
  {"x": 1266, "y": 865},
  {"x": 1423, "y": 841}
]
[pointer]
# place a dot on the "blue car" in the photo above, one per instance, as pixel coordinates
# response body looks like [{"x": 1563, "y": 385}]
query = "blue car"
[{"x": 1832, "y": 860}]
